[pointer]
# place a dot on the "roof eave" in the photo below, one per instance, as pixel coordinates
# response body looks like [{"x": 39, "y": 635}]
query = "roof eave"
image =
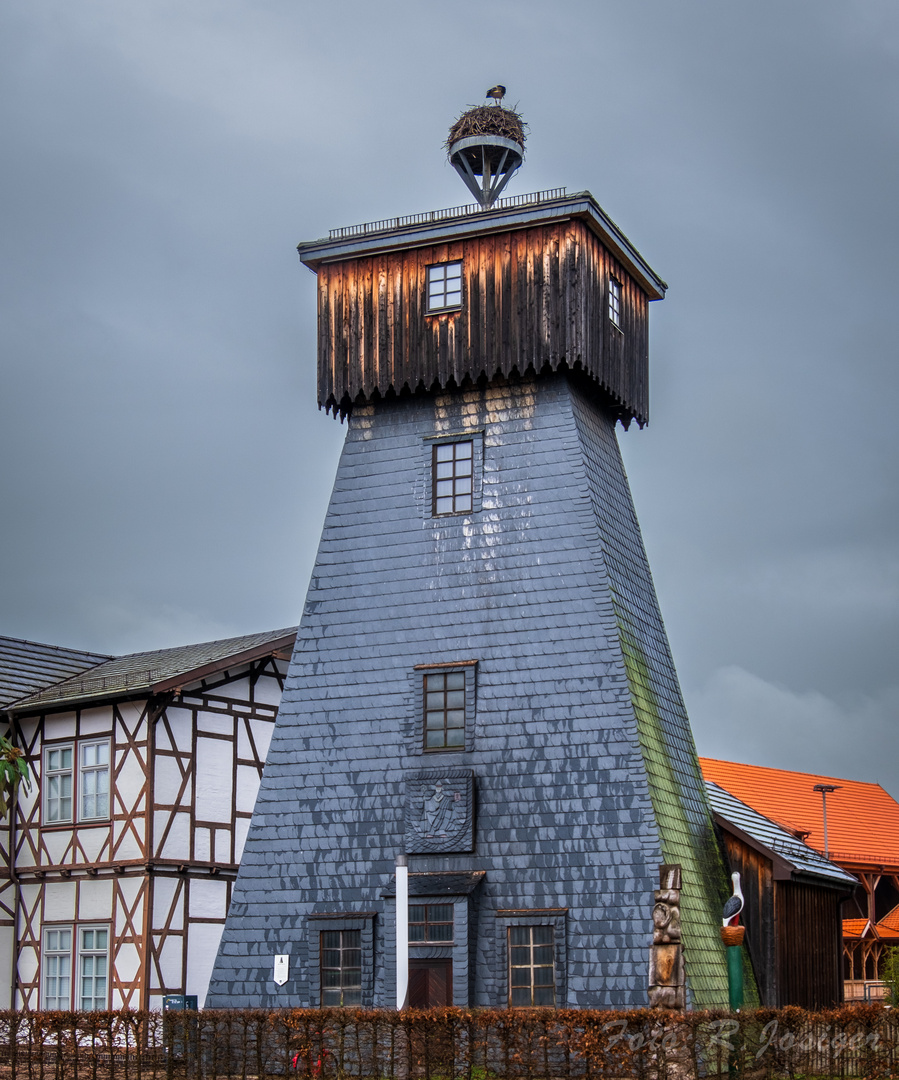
[{"x": 316, "y": 252}]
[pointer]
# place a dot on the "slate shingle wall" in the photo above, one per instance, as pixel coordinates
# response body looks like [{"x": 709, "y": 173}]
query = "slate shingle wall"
[{"x": 565, "y": 815}]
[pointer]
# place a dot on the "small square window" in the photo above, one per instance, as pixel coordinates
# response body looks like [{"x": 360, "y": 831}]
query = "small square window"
[
  {"x": 615, "y": 302},
  {"x": 430, "y": 924},
  {"x": 341, "y": 967},
  {"x": 445, "y": 286},
  {"x": 532, "y": 966},
  {"x": 444, "y": 710},
  {"x": 452, "y": 477}
]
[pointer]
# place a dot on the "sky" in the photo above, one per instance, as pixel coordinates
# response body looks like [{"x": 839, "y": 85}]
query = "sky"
[{"x": 164, "y": 469}]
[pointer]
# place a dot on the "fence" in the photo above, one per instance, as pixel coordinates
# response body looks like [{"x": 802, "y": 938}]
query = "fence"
[{"x": 448, "y": 1044}]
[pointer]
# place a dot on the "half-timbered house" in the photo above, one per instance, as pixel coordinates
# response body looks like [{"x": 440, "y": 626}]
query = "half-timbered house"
[{"x": 121, "y": 856}]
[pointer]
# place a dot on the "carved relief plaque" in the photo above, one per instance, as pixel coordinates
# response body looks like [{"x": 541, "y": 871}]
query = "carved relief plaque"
[{"x": 439, "y": 811}]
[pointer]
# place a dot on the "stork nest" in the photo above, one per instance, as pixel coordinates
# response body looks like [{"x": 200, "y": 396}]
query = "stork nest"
[{"x": 488, "y": 120}]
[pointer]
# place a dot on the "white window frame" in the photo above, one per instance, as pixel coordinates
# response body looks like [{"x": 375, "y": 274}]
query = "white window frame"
[
  {"x": 92, "y": 954},
  {"x": 79, "y": 772},
  {"x": 52, "y": 958},
  {"x": 92, "y": 773},
  {"x": 74, "y": 958},
  {"x": 444, "y": 286},
  {"x": 615, "y": 302},
  {"x": 59, "y": 774}
]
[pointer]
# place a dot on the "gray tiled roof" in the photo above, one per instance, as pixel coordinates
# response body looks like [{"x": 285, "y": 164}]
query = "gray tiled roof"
[
  {"x": 159, "y": 669},
  {"x": 27, "y": 667},
  {"x": 799, "y": 855}
]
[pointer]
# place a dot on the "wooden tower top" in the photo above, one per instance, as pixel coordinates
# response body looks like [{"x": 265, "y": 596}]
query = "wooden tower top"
[{"x": 534, "y": 283}]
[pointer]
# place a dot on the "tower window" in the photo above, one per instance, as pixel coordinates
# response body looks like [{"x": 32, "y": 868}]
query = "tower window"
[
  {"x": 531, "y": 966},
  {"x": 341, "y": 967},
  {"x": 430, "y": 923},
  {"x": 452, "y": 477},
  {"x": 445, "y": 286},
  {"x": 615, "y": 302},
  {"x": 444, "y": 710}
]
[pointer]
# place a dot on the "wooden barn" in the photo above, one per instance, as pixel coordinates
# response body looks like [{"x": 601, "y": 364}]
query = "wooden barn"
[
  {"x": 116, "y": 866},
  {"x": 860, "y": 834},
  {"x": 792, "y": 913}
]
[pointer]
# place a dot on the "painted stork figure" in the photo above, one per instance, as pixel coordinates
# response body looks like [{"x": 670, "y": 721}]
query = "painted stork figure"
[
  {"x": 734, "y": 905},
  {"x": 497, "y": 93}
]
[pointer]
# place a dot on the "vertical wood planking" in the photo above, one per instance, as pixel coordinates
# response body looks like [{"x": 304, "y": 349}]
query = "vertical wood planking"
[{"x": 531, "y": 297}]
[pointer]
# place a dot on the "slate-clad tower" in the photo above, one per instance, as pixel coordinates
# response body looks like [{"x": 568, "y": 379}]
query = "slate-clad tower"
[{"x": 481, "y": 679}]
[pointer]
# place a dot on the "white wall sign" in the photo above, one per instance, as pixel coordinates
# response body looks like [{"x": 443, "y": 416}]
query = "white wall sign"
[{"x": 280, "y": 975}]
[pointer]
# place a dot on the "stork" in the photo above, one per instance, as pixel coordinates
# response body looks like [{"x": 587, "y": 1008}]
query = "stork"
[
  {"x": 497, "y": 93},
  {"x": 734, "y": 905}
]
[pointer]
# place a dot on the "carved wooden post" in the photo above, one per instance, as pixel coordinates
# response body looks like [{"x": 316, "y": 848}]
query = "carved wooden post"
[{"x": 667, "y": 988}]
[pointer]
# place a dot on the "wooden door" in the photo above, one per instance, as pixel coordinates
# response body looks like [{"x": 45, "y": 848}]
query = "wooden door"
[{"x": 430, "y": 983}]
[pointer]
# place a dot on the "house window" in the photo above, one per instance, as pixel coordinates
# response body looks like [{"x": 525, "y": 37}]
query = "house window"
[
  {"x": 445, "y": 286},
  {"x": 94, "y": 780},
  {"x": 615, "y": 302},
  {"x": 90, "y": 780},
  {"x": 430, "y": 923},
  {"x": 531, "y": 965},
  {"x": 59, "y": 782},
  {"x": 444, "y": 710},
  {"x": 341, "y": 967},
  {"x": 91, "y": 960},
  {"x": 57, "y": 968},
  {"x": 452, "y": 477}
]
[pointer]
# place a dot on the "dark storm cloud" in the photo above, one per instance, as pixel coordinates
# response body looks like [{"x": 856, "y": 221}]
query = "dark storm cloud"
[{"x": 165, "y": 470}]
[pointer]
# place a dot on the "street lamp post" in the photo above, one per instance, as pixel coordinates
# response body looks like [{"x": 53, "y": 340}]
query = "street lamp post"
[{"x": 825, "y": 790}]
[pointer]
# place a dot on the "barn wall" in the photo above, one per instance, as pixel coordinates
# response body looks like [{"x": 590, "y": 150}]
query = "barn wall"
[{"x": 809, "y": 945}]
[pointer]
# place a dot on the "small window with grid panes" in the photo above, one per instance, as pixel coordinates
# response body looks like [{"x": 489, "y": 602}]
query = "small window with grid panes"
[
  {"x": 615, "y": 302},
  {"x": 430, "y": 924},
  {"x": 444, "y": 286},
  {"x": 444, "y": 710},
  {"x": 341, "y": 967},
  {"x": 453, "y": 468},
  {"x": 531, "y": 966}
]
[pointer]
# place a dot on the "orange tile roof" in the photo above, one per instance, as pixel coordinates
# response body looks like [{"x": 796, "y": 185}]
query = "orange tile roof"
[
  {"x": 862, "y": 819},
  {"x": 854, "y": 927},
  {"x": 889, "y": 924}
]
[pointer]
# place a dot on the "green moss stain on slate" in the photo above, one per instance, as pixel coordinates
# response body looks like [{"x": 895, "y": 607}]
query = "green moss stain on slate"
[{"x": 687, "y": 838}]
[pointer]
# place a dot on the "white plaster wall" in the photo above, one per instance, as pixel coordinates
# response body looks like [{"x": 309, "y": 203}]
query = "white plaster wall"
[
  {"x": 208, "y": 899},
  {"x": 93, "y": 841},
  {"x": 170, "y": 958},
  {"x": 177, "y": 844},
  {"x": 59, "y": 901},
  {"x": 94, "y": 722},
  {"x": 203, "y": 845},
  {"x": 7, "y": 937},
  {"x": 202, "y": 945},
  {"x": 216, "y": 723},
  {"x": 247, "y": 788},
  {"x": 62, "y": 726},
  {"x": 239, "y": 690},
  {"x": 57, "y": 843},
  {"x": 167, "y": 782},
  {"x": 181, "y": 724},
  {"x": 95, "y": 900},
  {"x": 241, "y": 828},
  {"x": 267, "y": 691},
  {"x": 214, "y": 763},
  {"x": 164, "y": 890},
  {"x": 262, "y": 736}
]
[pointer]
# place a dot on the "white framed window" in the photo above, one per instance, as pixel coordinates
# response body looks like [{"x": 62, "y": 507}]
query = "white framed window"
[
  {"x": 93, "y": 965},
  {"x": 59, "y": 783},
  {"x": 93, "y": 779},
  {"x": 615, "y": 302},
  {"x": 445, "y": 286},
  {"x": 84, "y": 949},
  {"x": 76, "y": 782},
  {"x": 57, "y": 965}
]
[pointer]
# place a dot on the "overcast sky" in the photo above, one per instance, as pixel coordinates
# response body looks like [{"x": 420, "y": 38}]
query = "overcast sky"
[{"x": 164, "y": 471}]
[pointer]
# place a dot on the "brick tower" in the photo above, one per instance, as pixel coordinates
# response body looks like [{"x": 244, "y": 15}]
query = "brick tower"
[{"x": 482, "y": 684}]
